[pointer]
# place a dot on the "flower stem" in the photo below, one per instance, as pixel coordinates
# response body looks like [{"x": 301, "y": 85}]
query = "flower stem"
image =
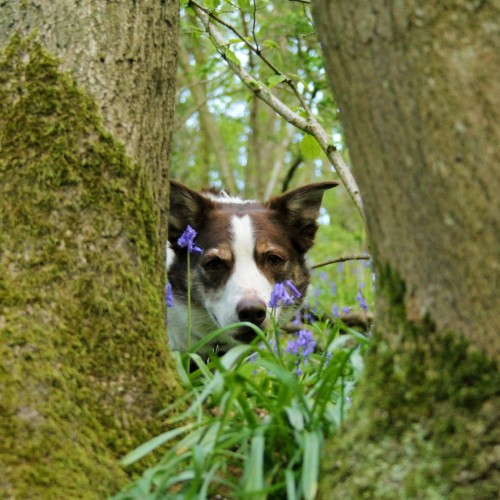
[{"x": 189, "y": 301}]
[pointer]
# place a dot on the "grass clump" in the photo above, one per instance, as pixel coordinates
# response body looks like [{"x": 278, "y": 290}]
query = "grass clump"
[{"x": 257, "y": 418}]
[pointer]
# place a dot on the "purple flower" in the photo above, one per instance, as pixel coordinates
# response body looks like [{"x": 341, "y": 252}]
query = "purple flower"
[
  {"x": 293, "y": 289},
  {"x": 280, "y": 295},
  {"x": 346, "y": 310},
  {"x": 335, "y": 311},
  {"x": 169, "y": 298},
  {"x": 328, "y": 356},
  {"x": 252, "y": 358},
  {"x": 187, "y": 240},
  {"x": 362, "y": 301},
  {"x": 333, "y": 288},
  {"x": 304, "y": 344},
  {"x": 297, "y": 319}
]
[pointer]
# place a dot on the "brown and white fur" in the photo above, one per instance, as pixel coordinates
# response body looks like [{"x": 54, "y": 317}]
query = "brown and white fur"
[{"x": 248, "y": 247}]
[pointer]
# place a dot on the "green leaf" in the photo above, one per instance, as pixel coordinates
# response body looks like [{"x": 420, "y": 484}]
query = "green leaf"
[
  {"x": 234, "y": 354},
  {"x": 233, "y": 41},
  {"x": 295, "y": 416},
  {"x": 254, "y": 467},
  {"x": 274, "y": 80},
  {"x": 212, "y": 4},
  {"x": 270, "y": 44},
  {"x": 310, "y": 148},
  {"x": 152, "y": 444},
  {"x": 231, "y": 56},
  {"x": 310, "y": 465},
  {"x": 244, "y": 4},
  {"x": 291, "y": 488}
]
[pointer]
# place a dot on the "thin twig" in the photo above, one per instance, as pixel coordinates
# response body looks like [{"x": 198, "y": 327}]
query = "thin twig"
[
  {"x": 310, "y": 125},
  {"x": 301, "y": 1},
  {"x": 343, "y": 258}
]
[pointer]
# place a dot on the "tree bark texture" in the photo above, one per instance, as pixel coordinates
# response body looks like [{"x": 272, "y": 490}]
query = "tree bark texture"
[
  {"x": 125, "y": 54},
  {"x": 84, "y": 365},
  {"x": 418, "y": 89}
]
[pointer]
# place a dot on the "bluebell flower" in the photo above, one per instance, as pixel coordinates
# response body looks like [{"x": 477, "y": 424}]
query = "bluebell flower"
[
  {"x": 333, "y": 288},
  {"x": 280, "y": 295},
  {"x": 293, "y": 289},
  {"x": 169, "y": 298},
  {"x": 346, "y": 310},
  {"x": 187, "y": 240},
  {"x": 361, "y": 300},
  {"x": 252, "y": 358},
  {"x": 297, "y": 319},
  {"x": 304, "y": 344},
  {"x": 328, "y": 356},
  {"x": 335, "y": 311}
]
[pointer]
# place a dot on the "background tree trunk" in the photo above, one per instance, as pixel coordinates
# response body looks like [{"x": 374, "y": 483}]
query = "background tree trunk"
[
  {"x": 84, "y": 365},
  {"x": 417, "y": 84}
]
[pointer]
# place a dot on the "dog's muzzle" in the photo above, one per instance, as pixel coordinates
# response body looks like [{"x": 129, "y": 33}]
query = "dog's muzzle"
[{"x": 252, "y": 310}]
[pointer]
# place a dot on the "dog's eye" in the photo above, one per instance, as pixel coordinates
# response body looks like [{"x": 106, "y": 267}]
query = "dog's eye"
[
  {"x": 273, "y": 259},
  {"x": 214, "y": 264}
]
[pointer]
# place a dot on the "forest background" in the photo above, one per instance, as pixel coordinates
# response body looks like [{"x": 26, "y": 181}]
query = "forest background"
[{"x": 225, "y": 136}]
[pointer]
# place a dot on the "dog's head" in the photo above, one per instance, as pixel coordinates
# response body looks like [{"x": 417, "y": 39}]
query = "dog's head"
[{"x": 248, "y": 247}]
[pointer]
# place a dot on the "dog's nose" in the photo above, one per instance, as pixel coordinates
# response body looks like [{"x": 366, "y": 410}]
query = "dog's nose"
[{"x": 252, "y": 310}]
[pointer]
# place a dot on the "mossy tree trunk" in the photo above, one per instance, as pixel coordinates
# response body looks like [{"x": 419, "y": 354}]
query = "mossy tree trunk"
[
  {"x": 418, "y": 89},
  {"x": 84, "y": 365}
]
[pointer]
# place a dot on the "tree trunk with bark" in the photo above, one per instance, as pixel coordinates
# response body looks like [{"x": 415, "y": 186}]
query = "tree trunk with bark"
[
  {"x": 418, "y": 89},
  {"x": 84, "y": 365}
]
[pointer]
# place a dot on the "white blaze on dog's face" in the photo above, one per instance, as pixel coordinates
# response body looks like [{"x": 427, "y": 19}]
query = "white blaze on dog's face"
[
  {"x": 248, "y": 247},
  {"x": 246, "y": 283}
]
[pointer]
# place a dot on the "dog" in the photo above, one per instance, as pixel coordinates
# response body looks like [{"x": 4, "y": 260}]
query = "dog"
[{"x": 247, "y": 248}]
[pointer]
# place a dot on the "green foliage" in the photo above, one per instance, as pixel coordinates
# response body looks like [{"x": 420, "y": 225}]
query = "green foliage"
[
  {"x": 252, "y": 138},
  {"x": 310, "y": 148},
  {"x": 256, "y": 420}
]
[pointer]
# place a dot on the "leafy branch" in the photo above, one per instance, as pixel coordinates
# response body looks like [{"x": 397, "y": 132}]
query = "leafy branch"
[{"x": 309, "y": 124}]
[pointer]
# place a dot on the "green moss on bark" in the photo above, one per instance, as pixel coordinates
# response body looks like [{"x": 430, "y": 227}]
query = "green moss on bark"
[
  {"x": 84, "y": 365},
  {"x": 425, "y": 422}
]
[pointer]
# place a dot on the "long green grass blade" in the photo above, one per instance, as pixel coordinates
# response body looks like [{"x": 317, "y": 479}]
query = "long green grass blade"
[
  {"x": 254, "y": 468},
  {"x": 152, "y": 444},
  {"x": 310, "y": 464}
]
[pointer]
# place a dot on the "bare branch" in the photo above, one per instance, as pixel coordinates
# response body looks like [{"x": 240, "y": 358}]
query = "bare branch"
[
  {"x": 344, "y": 258},
  {"x": 291, "y": 171},
  {"x": 301, "y": 1},
  {"x": 309, "y": 125}
]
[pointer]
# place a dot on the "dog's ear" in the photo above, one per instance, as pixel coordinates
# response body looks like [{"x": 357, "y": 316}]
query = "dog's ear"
[
  {"x": 187, "y": 207},
  {"x": 299, "y": 210}
]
